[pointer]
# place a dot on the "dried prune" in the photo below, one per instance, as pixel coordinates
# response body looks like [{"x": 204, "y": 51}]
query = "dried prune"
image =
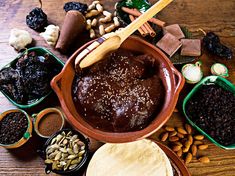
[
  {"x": 212, "y": 43},
  {"x": 36, "y": 19},
  {"x": 212, "y": 108},
  {"x": 29, "y": 79},
  {"x": 75, "y": 6}
]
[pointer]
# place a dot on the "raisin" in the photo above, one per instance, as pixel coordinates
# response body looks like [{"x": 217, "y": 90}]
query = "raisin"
[
  {"x": 75, "y": 6},
  {"x": 212, "y": 43},
  {"x": 36, "y": 19}
]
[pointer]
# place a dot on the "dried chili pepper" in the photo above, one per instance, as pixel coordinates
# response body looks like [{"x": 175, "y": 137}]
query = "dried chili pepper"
[{"x": 211, "y": 42}]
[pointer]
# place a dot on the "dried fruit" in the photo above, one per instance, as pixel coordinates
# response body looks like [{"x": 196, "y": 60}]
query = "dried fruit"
[
  {"x": 164, "y": 137},
  {"x": 204, "y": 159},
  {"x": 170, "y": 129},
  {"x": 181, "y": 130},
  {"x": 75, "y": 6},
  {"x": 203, "y": 147},
  {"x": 188, "y": 158},
  {"x": 199, "y": 137},
  {"x": 36, "y": 19}
]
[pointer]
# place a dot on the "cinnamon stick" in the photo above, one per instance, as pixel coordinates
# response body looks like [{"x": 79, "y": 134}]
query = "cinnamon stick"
[
  {"x": 150, "y": 29},
  {"x": 141, "y": 31},
  {"x": 137, "y": 13}
]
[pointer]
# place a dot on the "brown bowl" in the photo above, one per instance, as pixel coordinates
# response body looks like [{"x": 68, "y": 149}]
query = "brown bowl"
[{"x": 172, "y": 80}]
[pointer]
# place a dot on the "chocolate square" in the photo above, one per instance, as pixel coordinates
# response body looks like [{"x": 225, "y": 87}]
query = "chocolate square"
[
  {"x": 191, "y": 47},
  {"x": 169, "y": 44},
  {"x": 175, "y": 30}
]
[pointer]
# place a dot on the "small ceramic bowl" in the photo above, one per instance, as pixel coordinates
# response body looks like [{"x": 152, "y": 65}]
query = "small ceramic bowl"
[
  {"x": 80, "y": 167},
  {"x": 42, "y": 115},
  {"x": 220, "y": 81},
  {"x": 39, "y": 51},
  {"x": 27, "y": 134}
]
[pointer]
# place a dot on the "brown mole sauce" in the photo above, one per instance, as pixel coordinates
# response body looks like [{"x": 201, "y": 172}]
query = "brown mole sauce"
[{"x": 121, "y": 93}]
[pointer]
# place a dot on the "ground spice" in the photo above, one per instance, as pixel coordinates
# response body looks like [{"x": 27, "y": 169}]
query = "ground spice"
[
  {"x": 50, "y": 124},
  {"x": 12, "y": 127}
]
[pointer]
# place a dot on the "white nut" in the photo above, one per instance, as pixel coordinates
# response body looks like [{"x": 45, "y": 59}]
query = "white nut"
[
  {"x": 19, "y": 39},
  {"x": 116, "y": 22},
  {"x": 92, "y": 33},
  {"x": 99, "y": 7},
  {"x": 107, "y": 14},
  {"x": 51, "y": 34},
  {"x": 92, "y": 13},
  {"x": 93, "y": 4},
  {"x": 101, "y": 30},
  {"x": 110, "y": 28},
  {"x": 94, "y": 22},
  {"x": 88, "y": 24}
]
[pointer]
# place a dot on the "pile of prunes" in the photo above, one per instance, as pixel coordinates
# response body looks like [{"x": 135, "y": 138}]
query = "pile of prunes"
[{"x": 29, "y": 78}]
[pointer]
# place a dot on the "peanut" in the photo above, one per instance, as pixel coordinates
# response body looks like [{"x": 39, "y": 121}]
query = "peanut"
[
  {"x": 204, "y": 159},
  {"x": 99, "y": 7},
  {"x": 101, "y": 30},
  {"x": 88, "y": 24},
  {"x": 94, "y": 22},
  {"x": 92, "y": 13},
  {"x": 188, "y": 128},
  {"x": 92, "y": 33},
  {"x": 188, "y": 158},
  {"x": 181, "y": 130},
  {"x": 109, "y": 28},
  {"x": 199, "y": 137},
  {"x": 116, "y": 22},
  {"x": 164, "y": 136},
  {"x": 203, "y": 147}
]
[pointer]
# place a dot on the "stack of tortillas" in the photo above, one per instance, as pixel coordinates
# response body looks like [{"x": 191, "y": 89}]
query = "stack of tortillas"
[{"x": 139, "y": 158}]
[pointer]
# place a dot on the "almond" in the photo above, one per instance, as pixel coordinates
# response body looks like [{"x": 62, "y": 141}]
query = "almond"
[
  {"x": 173, "y": 138},
  {"x": 204, "y": 159},
  {"x": 169, "y": 129},
  {"x": 181, "y": 130},
  {"x": 179, "y": 153},
  {"x": 164, "y": 136},
  {"x": 173, "y": 133},
  {"x": 199, "y": 137},
  {"x": 188, "y": 128},
  {"x": 203, "y": 147},
  {"x": 194, "y": 150},
  {"x": 197, "y": 142},
  {"x": 188, "y": 158},
  {"x": 176, "y": 148}
]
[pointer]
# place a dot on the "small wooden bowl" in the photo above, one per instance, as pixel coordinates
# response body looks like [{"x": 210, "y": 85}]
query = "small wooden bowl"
[
  {"x": 38, "y": 117},
  {"x": 172, "y": 80},
  {"x": 27, "y": 134}
]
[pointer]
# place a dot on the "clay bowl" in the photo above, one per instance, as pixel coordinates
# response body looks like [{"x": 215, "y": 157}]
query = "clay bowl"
[{"x": 173, "y": 82}]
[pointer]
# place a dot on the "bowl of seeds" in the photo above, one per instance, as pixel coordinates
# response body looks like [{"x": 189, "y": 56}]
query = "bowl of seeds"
[
  {"x": 15, "y": 128},
  {"x": 66, "y": 152}
]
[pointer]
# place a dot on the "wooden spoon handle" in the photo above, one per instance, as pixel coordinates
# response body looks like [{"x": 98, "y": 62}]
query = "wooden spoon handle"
[{"x": 132, "y": 27}]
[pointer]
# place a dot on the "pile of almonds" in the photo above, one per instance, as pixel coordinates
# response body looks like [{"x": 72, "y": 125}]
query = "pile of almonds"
[
  {"x": 107, "y": 19},
  {"x": 184, "y": 143},
  {"x": 65, "y": 151}
]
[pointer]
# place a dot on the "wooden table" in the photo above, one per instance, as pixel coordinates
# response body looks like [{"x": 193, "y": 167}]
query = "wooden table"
[{"x": 211, "y": 15}]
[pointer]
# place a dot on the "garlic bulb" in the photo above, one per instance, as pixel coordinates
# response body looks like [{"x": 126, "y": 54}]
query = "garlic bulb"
[
  {"x": 51, "y": 34},
  {"x": 19, "y": 39}
]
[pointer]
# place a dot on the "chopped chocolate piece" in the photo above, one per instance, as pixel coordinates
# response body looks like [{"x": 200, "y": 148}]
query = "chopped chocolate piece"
[
  {"x": 169, "y": 44},
  {"x": 191, "y": 47},
  {"x": 175, "y": 30}
]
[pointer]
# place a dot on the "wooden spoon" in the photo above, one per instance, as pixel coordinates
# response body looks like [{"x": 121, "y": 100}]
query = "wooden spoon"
[{"x": 113, "y": 40}]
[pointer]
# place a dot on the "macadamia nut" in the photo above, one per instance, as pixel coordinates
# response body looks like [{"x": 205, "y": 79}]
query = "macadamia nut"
[{"x": 51, "y": 34}]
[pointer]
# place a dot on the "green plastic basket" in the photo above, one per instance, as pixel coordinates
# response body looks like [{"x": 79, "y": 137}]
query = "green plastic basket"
[
  {"x": 220, "y": 81},
  {"x": 39, "y": 51}
]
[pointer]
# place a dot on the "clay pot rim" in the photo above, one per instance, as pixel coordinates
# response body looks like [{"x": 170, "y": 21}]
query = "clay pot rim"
[{"x": 115, "y": 137}]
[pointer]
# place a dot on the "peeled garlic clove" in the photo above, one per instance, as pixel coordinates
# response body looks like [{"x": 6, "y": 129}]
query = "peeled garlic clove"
[
  {"x": 51, "y": 34},
  {"x": 19, "y": 39}
]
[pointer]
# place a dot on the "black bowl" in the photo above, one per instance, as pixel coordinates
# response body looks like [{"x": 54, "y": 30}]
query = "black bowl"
[{"x": 80, "y": 168}]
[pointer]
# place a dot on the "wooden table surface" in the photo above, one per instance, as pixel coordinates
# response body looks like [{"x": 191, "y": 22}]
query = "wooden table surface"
[{"x": 210, "y": 15}]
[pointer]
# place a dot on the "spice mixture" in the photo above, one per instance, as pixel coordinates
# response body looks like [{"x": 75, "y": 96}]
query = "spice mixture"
[
  {"x": 12, "y": 127},
  {"x": 121, "y": 93},
  {"x": 212, "y": 108},
  {"x": 49, "y": 124}
]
